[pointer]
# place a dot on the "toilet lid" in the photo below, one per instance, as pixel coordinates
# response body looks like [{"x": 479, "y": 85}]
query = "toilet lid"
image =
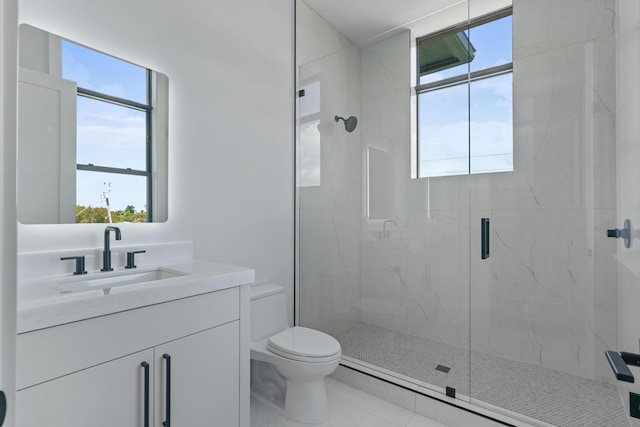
[{"x": 303, "y": 342}]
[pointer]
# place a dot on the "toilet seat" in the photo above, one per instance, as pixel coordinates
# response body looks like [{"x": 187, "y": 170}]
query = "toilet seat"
[{"x": 304, "y": 345}]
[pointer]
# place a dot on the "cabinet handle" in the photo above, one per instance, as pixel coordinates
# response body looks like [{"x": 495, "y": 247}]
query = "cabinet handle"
[
  {"x": 167, "y": 422},
  {"x": 145, "y": 365}
]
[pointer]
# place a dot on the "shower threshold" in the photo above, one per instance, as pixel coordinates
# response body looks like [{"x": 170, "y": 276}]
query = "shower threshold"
[{"x": 517, "y": 390}]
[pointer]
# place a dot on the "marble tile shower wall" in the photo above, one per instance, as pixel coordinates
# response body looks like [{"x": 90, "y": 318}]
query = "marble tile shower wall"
[
  {"x": 329, "y": 207},
  {"x": 545, "y": 296}
]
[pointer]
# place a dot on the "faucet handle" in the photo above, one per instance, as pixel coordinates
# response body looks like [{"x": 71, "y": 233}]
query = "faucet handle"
[
  {"x": 131, "y": 258},
  {"x": 79, "y": 264}
]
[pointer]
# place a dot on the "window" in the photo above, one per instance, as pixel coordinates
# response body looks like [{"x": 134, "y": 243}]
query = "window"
[
  {"x": 465, "y": 99},
  {"x": 113, "y": 148}
]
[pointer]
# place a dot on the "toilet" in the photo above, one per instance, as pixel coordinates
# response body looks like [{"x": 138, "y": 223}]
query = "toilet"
[{"x": 302, "y": 357}]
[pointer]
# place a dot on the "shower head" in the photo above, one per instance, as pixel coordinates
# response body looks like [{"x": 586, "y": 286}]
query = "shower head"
[{"x": 349, "y": 124}]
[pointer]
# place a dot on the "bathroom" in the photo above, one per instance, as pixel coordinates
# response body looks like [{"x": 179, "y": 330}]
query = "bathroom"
[{"x": 233, "y": 163}]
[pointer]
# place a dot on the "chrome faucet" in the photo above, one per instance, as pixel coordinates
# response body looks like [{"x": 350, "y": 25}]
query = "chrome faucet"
[{"x": 106, "y": 253}]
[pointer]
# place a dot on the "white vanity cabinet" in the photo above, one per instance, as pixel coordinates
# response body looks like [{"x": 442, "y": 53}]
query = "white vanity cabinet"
[
  {"x": 92, "y": 372},
  {"x": 204, "y": 379},
  {"x": 110, "y": 394}
]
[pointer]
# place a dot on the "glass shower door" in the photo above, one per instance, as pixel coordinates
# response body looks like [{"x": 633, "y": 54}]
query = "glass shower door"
[
  {"x": 542, "y": 311},
  {"x": 383, "y": 256}
]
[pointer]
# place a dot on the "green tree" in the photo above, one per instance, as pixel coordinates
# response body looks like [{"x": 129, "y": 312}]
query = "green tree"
[{"x": 89, "y": 214}]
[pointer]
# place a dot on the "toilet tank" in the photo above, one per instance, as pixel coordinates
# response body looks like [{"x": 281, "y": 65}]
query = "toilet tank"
[{"x": 268, "y": 311}]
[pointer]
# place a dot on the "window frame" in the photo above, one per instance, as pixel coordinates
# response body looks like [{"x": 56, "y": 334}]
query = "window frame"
[{"x": 465, "y": 78}]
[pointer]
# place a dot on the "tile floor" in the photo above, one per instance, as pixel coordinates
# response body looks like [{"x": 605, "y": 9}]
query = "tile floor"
[
  {"x": 554, "y": 397},
  {"x": 348, "y": 407}
]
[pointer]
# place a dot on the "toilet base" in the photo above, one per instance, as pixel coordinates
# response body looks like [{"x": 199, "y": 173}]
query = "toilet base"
[{"x": 306, "y": 401}]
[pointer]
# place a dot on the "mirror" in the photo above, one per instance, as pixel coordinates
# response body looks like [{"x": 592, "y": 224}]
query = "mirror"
[{"x": 92, "y": 135}]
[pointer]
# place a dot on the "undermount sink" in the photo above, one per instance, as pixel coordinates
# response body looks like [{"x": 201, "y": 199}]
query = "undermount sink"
[{"x": 106, "y": 281}]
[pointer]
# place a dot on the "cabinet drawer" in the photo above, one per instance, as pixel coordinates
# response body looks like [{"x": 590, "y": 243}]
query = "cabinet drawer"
[{"x": 50, "y": 353}]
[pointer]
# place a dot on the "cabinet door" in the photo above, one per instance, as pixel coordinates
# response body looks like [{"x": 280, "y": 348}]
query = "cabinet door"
[
  {"x": 107, "y": 395},
  {"x": 204, "y": 379}
]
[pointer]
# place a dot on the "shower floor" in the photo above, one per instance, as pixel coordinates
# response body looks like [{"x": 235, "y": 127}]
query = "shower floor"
[{"x": 555, "y": 397}]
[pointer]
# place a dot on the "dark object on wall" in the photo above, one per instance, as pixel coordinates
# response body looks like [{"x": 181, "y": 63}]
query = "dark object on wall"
[
  {"x": 3, "y": 407},
  {"x": 634, "y": 404},
  {"x": 484, "y": 231},
  {"x": 349, "y": 124},
  {"x": 623, "y": 233},
  {"x": 451, "y": 392},
  {"x": 619, "y": 362}
]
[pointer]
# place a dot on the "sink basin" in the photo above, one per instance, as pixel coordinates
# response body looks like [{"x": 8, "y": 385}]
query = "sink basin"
[{"x": 106, "y": 281}]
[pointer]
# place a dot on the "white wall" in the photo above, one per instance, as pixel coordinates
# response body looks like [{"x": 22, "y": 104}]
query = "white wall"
[
  {"x": 8, "y": 85},
  {"x": 230, "y": 69}
]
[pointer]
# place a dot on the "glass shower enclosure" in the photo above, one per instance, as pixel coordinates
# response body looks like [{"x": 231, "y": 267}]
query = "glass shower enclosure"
[{"x": 455, "y": 240}]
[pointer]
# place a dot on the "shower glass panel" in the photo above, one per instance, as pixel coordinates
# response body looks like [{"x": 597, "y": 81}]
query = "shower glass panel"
[
  {"x": 329, "y": 188},
  {"x": 389, "y": 249},
  {"x": 537, "y": 339}
]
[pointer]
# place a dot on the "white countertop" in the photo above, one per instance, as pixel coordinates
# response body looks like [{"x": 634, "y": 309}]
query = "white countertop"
[{"x": 41, "y": 303}]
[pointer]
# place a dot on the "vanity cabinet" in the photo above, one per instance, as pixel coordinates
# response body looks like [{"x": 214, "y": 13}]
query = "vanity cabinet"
[
  {"x": 110, "y": 394},
  {"x": 92, "y": 372},
  {"x": 204, "y": 379}
]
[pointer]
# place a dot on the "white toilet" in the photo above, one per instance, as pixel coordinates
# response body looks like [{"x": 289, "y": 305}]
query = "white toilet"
[{"x": 302, "y": 356}]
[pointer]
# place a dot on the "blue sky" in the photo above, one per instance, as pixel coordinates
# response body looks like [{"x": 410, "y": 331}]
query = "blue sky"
[{"x": 473, "y": 119}]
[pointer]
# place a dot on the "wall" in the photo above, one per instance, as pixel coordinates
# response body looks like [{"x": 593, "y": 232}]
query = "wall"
[
  {"x": 8, "y": 89},
  {"x": 230, "y": 69}
]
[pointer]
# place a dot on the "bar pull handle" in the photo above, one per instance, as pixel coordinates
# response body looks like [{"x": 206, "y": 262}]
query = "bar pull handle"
[
  {"x": 484, "y": 242},
  {"x": 167, "y": 422},
  {"x": 131, "y": 260},
  {"x": 619, "y": 362},
  {"x": 145, "y": 365},
  {"x": 79, "y": 264}
]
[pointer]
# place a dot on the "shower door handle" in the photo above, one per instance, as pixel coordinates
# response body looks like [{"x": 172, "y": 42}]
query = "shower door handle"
[
  {"x": 484, "y": 241},
  {"x": 619, "y": 362}
]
